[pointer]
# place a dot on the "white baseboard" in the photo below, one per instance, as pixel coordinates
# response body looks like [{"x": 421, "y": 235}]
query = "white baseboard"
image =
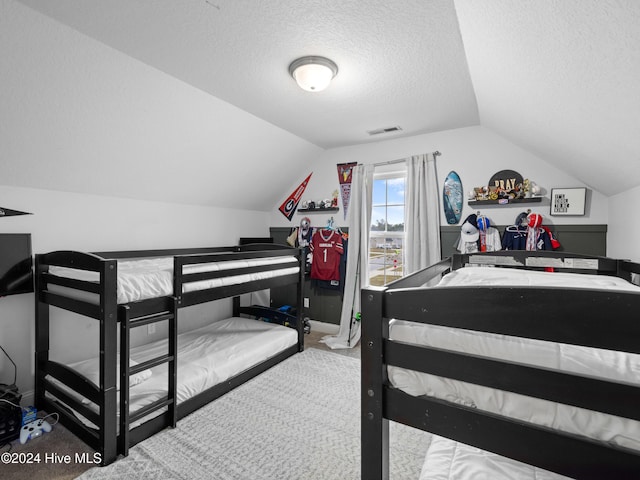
[
  {"x": 28, "y": 398},
  {"x": 324, "y": 327}
]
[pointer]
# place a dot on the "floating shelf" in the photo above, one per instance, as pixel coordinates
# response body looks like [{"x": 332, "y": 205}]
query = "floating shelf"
[
  {"x": 504, "y": 201},
  {"x": 319, "y": 210}
]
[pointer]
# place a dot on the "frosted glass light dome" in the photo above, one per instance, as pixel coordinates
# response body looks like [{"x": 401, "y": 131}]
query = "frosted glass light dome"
[{"x": 313, "y": 74}]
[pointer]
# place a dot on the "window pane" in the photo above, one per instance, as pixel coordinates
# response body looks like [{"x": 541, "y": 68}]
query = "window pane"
[
  {"x": 379, "y": 194},
  {"x": 395, "y": 191},
  {"x": 395, "y": 219},
  {"x": 378, "y": 218}
]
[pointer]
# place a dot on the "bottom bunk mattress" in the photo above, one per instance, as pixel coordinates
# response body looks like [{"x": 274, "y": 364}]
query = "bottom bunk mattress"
[
  {"x": 593, "y": 362},
  {"x": 446, "y": 459},
  {"x": 206, "y": 357}
]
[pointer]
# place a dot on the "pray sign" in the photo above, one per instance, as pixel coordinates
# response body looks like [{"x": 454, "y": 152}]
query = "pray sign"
[{"x": 506, "y": 180}]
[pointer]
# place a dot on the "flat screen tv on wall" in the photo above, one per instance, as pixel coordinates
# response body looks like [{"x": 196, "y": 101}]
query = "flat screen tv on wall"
[{"x": 16, "y": 264}]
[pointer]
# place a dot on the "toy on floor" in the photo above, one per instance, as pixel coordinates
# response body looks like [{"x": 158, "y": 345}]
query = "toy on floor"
[{"x": 33, "y": 430}]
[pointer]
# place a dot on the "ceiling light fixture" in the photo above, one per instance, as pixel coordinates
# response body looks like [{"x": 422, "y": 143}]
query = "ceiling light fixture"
[{"x": 313, "y": 74}]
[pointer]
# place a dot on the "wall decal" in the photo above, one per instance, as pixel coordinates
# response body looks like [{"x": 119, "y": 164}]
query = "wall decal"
[
  {"x": 345, "y": 174},
  {"x": 288, "y": 207},
  {"x": 7, "y": 212}
]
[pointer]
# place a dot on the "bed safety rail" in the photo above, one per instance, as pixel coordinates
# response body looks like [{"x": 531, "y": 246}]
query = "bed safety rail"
[
  {"x": 563, "y": 261},
  {"x": 182, "y": 279}
]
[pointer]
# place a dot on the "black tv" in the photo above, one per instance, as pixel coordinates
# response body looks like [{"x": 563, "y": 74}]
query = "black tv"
[{"x": 16, "y": 264}]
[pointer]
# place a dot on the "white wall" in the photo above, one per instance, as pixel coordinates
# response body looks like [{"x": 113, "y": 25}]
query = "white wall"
[
  {"x": 79, "y": 116},
  {"x": 66, "y": 221},
  {"x": 475, "y": 153},
  {"x": 624, "y": 229}
]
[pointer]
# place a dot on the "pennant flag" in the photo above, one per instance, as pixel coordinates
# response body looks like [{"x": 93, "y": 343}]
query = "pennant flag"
[
  {"x": 290, "y": 205},
  {"x": 6, "y": 212},
  {"x": 345, "y": 173}
]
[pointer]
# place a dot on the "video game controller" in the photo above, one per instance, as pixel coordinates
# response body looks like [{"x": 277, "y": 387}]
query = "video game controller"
[{"x": 33, "y": 429}]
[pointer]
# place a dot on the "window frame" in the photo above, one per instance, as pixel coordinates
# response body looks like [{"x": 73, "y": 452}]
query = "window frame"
[{"x": 376, "y": 235}]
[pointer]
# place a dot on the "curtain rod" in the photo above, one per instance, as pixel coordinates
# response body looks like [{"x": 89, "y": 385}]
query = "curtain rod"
[{"x": 391, "y": 162}]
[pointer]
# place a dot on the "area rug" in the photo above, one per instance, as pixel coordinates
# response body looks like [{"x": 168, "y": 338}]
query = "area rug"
[{"x": 299, "y": 420}]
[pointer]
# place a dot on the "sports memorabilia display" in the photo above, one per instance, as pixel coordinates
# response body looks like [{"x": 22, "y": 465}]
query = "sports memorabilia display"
[
  {"x": 345, "y": 174},
  {"x": 326, "y": 247},
  {"x": 452, "y": 198},
  {"x": 7, "y": 212},
  {"x": 289, "y": 206}
]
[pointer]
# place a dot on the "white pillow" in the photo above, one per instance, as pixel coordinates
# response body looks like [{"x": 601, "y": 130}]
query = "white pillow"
[{"x": 89, "y": 368}]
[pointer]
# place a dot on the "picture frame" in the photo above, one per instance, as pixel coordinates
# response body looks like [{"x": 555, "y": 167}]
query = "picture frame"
[{"x": 568, "y": 201}]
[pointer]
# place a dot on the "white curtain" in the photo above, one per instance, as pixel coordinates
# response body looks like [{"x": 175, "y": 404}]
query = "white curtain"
[
  {"x": 357, "y": 274},
  {"x": 422, "y": 213}
]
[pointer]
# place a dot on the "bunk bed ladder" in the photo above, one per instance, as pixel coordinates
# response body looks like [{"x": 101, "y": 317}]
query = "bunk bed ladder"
[{"x": 165, "y": 311}]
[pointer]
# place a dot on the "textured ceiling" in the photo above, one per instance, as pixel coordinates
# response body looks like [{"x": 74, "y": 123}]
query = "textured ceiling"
[
  {"x": 557, "y": 77},
  {"x": 400, "y": 62}
]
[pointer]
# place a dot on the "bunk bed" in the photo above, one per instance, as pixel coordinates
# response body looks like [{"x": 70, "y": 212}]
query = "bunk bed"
[
  {"x": 531, "y": 357},
  {"x": 126, "y": 394}
]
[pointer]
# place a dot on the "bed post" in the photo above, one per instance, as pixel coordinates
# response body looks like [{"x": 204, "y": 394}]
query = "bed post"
[
  {"x": 300, "y": 300},
  {"x": 42, "y": 334},
  {"x": 375, "y": 428},
  {"x": 108, "y": 358}
]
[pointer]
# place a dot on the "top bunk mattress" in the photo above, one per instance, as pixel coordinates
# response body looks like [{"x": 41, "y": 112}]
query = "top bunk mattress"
[
  {"x": 146, "y": 278},
  {"x": 606, "y": 364}
]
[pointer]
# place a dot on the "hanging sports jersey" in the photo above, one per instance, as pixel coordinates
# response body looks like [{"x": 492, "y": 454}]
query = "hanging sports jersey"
[
  {"x": 520, "y": 239},
  {"x": 490, "y": 240},
  {"x": 326, "y": 247}
]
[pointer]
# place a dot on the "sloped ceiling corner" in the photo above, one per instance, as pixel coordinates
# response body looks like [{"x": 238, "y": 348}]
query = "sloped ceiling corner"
[
  {"x": 82, "y": 117},
  {"x": 560, "y": 79}
]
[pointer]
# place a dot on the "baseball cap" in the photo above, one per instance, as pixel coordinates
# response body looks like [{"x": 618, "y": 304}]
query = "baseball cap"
[
  {"x": 468, "y": 230},
  {"x": 522, "y": 220}
]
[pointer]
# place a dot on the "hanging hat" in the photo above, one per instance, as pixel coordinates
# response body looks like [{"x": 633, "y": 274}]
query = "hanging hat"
[
  {"x": 483, "y": 223},
  {"x": 534, "y": 220},
  {"x": 469, "y": 230},
  {"x": 554, "y": 241},
  {"x": 472, "y": 219},
  {"x": 522, "y": 220}
]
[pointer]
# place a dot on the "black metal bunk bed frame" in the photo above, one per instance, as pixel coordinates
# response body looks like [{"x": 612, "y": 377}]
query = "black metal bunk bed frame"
[
  {"x": 110, "y": 438},
  {"x": 600, "y": 319}
]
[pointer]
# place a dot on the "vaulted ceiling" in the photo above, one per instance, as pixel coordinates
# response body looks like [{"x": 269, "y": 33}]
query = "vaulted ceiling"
[{"x": 560, "y": 78}]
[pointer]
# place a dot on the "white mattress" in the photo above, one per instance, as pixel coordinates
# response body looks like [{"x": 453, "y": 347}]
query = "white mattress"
[
  {"x": 206, "y": 357},
  {"x": 141, "y": 279},
  {"x": 480, "y": 276},
  {"x": 446, "y": 460},
  {"x": 589, "y": 361}
]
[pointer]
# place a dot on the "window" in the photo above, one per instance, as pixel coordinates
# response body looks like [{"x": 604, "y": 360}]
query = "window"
[{"x": 386, "y": 236}]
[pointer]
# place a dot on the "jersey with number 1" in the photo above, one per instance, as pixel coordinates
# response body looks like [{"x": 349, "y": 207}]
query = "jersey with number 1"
[{"x": 326, "y": 247}]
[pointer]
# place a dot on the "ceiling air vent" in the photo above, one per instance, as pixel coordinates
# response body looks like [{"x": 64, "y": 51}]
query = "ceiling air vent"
[{"x": 379, "y": 131}]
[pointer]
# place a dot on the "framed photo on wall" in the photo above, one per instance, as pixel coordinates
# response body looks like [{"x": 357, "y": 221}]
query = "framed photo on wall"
[{"x": 568, "y": 201}]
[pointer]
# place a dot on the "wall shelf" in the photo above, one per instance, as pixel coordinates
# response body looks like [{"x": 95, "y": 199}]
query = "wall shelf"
[
  {"x": 318, "y": 210},
  {"x": 504, "y": 201}
]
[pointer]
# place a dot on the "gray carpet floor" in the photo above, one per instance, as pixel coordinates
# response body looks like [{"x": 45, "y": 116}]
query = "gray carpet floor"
[{"x": 299, "y": 420}]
